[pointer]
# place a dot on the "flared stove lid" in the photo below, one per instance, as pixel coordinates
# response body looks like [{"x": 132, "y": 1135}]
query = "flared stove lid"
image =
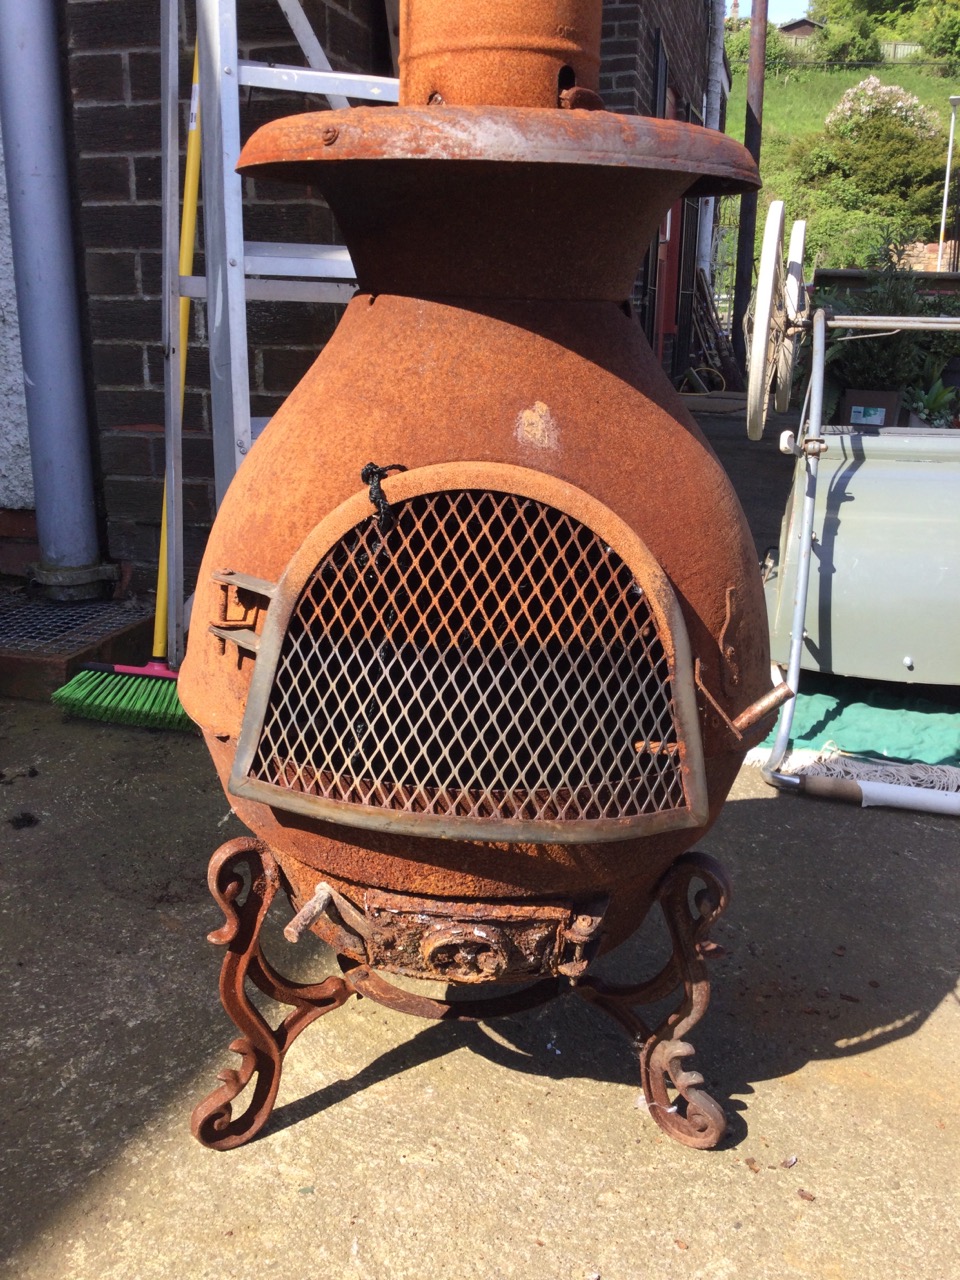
[
  {"x": 290, "y": 149},
  {"x": 498, "y": 202}
]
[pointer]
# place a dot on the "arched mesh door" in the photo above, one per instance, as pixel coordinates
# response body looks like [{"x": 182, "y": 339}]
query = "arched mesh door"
[{"x": 488, "y": 662}]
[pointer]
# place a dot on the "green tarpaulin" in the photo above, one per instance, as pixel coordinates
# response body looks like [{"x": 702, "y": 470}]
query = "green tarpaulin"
[{"x": 886, "y": 721}]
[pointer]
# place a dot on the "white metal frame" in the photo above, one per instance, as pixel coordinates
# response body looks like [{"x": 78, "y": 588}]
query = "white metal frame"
[{"x": 809, "y": 445}]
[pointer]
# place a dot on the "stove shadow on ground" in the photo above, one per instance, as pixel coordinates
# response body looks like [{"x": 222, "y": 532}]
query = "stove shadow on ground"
[
  {"x": 112, "y": 1010},
  {"x": 839, "y": 940}
]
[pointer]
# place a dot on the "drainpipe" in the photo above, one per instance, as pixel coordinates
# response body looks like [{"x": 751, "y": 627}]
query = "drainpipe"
[
  {"x": 41, "y": 232},
  {"x": 752, "y": 137},
  {"x": 713, "y": 103}
]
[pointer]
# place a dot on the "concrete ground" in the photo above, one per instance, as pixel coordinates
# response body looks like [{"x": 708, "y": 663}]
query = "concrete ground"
[{"x": 401, "y": 1148}]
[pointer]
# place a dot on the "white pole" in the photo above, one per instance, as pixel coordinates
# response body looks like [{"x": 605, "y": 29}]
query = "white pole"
[
  {"x": 946, "y": 185},
  {"x": 713, "y": 104},
  {"x": 41, "y": 231}
]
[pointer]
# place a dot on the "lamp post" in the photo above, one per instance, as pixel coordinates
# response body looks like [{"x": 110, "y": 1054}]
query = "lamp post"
[{"x": 954, "y": 100}]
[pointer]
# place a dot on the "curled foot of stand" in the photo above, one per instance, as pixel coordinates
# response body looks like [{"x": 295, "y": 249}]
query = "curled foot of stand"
[
  {"x": 673, "y": 1094},
  {"x": 261, "y": 1047},
  {"x": 691, "y": 1116}
]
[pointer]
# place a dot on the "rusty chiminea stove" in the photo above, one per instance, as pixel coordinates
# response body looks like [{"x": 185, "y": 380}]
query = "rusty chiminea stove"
[{"x": 476, "y": 699}]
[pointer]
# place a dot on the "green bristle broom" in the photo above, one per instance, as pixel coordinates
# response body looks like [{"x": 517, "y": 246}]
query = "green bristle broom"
[
  {"x": 147, "y": 696},
  {"x": 125, "y": 695}
]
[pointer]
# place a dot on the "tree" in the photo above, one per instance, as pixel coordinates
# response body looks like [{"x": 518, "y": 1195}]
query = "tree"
[
  {"x": 879, "y": 19},
  {"x": 851, "y": 39},
  {"x": 870, "y": 101},
  {"x": 877, "y": 11},
  {"x": 940, "y": 32},
  {"x": 780, "y": 54},
  {"x": 877, "y": 164},
  {"x": 891, "y": 170}
]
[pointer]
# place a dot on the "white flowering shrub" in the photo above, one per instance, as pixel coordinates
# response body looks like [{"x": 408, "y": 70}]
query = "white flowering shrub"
[{"x": 871, "y": 99}]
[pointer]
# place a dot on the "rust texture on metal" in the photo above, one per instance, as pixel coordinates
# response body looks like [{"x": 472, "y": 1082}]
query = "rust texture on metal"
[
  {"x": 244, "y": 878},
  {"x": 410, "y": 187},
  {"x": 495, "y": 246},
  {"x": 497, "y": 52},
  {"x": 693, "y": 1117},
  {"x": 532, "y": 606},
  {"x": 578, "y": 99},
  {"x": 367, "y": 982},
  {"x": 440, "y": 940},
  {"x": 546, "y": 383},
  {"x": 295, "y": 929},
  {"x": 485, "y": 137},
  {"x": 759, "y": 712},
  {"x": 261, "y": 1047},
  {"x": 464, "y": 942}
]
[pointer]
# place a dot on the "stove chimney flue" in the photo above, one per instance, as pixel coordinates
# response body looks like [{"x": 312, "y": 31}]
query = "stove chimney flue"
[{"x": 499, "y": 53}]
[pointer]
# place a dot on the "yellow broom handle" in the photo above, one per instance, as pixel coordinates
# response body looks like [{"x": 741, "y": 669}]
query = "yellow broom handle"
[{"x": 188, "y": 231}]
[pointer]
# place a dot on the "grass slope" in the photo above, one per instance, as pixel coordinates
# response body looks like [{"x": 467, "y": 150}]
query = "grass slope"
[{"x": 797, "y": 102}]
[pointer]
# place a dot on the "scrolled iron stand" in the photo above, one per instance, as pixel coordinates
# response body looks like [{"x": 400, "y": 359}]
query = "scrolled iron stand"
[
  {"x": 261, "y": 1048},
  {"x": 697, "y": 1121},
  {"x": 245, "y": 899}
]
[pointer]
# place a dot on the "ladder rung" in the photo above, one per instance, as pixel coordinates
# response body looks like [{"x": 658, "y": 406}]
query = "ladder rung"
[
  {"x": 260, "y": 290},
  {"x": 264, "y": 75},
  {"x": 314, "y": 261}
]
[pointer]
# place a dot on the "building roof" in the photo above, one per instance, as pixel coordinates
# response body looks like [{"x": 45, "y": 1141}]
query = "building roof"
[{"x": 798, "y": 23}]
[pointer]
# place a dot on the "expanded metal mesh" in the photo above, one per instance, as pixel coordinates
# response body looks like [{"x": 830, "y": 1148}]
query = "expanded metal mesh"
[{"x": 487, "y": 656}]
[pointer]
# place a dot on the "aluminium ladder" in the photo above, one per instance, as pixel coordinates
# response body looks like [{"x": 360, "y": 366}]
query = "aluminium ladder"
[{"x": 236, "y": 270}]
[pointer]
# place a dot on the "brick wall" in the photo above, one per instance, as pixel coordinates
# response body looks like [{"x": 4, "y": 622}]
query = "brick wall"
[
  {"x": 650, "y": 50},
  {"x": 113, "y": 69},
  {"x": 628, "y": 71}
]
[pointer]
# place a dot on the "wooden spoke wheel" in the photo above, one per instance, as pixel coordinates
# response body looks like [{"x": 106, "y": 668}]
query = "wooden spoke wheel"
[{"x": 774, "y": 324}]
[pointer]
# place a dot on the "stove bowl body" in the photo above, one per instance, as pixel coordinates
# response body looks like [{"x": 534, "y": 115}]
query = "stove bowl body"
[
  {"x": 556, "y": 416},
  {"x": 479, "y": 621}
]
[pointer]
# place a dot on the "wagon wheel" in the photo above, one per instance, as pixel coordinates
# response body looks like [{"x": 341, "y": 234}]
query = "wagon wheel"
[
  {"x": 775, "y": 320},
  {"x": 795, "y": 293}
]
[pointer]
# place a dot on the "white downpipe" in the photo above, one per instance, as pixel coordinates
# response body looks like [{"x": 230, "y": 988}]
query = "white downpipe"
[
  {"x": 713, "y": 103},
  {"x": 31, "y": 109}
]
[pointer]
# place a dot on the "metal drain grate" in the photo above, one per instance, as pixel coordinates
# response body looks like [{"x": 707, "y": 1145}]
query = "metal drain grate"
[
  {"x": 486, "y": 657},
  {"x": 47, "y": 628}
]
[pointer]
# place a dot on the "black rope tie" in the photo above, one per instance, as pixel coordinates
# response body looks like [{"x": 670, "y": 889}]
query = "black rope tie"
[{"x": 372, "y": 475}]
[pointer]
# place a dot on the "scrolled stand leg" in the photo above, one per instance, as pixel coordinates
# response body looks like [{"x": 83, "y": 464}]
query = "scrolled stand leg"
[
  {"x": 688, "y": 1114},
  {"x": 261, "y": 1048}
]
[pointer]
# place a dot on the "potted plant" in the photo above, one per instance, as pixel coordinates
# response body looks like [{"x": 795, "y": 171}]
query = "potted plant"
[
  {"x": 936, "y": 405},
  {"x": 868, "y": 377}
]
